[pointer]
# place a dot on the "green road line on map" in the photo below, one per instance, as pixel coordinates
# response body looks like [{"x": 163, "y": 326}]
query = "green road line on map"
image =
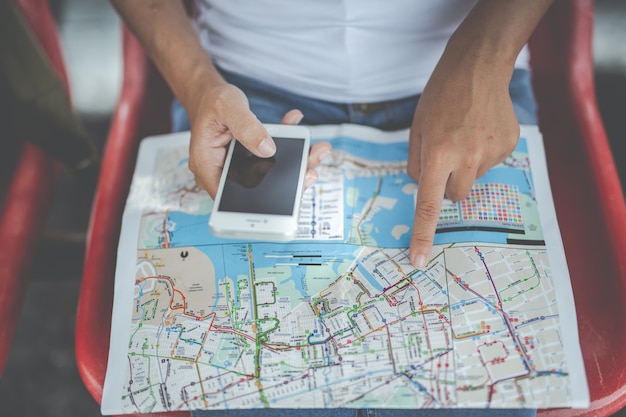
[
  {"x": 258, "y": 336},
  {"x": 153, "y": 304},
  {"x": 375, "y": 195},
  {"x": 263, "y": 335},
  {"x": 132, "y": 336},
  {"x": 148, "y": 378},
  {"x": 523, "y": 280}
]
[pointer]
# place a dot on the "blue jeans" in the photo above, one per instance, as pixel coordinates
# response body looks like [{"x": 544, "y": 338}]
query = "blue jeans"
[
  {"x": 269, "y": 105},
  {"x": 347, "y": 412}
]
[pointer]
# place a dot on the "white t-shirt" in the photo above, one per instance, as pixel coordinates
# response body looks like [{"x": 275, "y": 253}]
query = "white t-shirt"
[{"x": 335, "y": 50}]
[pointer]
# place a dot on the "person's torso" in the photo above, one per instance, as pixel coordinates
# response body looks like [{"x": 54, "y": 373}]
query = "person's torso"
[{"x": 336, "y": 50}]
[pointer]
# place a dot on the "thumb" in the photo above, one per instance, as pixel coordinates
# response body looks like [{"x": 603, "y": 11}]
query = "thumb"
[
  {"x": 250, "y": 132},
  {"x": 233, "y": 115}
]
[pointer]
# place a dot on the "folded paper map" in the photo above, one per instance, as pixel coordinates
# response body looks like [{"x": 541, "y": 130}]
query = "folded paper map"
[{"x": 339, "y": 317}]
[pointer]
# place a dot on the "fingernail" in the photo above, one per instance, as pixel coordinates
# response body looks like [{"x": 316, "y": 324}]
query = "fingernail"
[
  {"x": 419, "y": 261},
  {"x": 297, "y": 118},
  {"x": 325, "y": 153},
  {"x": 267, "y": 148}
]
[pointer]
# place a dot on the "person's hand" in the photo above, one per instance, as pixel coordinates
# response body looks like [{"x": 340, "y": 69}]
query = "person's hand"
[
  {"x": 463, "y": 125},
  {"x": 223, "y": 113}
]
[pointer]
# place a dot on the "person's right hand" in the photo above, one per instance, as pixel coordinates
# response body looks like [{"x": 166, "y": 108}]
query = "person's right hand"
[
  {"x": 219, "y": 115},
  {"x": 464, "y": 124},
  {"x": 223, "y": 113}
]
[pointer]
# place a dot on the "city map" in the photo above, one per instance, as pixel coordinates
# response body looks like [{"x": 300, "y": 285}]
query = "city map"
[{"x": 339, "y": 317}]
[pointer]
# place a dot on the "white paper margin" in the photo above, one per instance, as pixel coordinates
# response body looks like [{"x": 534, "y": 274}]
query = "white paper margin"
[{"x": 558, "y": 263}]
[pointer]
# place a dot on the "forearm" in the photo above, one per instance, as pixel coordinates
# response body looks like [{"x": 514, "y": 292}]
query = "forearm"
[
  {"x": 166, "y": 33},
  {"x": 493, "y": 34}
]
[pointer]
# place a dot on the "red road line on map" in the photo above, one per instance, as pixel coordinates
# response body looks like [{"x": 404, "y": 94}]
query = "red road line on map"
[
  {"x": 233, "y": 331},
  {"x": 183, "y": 191},
  {"x": 507, "y": 323},
  {"x": 166, "y": 237},
  {"x": 174, "y": 290}
]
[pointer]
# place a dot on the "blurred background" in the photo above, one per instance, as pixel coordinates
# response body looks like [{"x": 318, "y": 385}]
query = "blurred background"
[{"x": 40, "y": 378}]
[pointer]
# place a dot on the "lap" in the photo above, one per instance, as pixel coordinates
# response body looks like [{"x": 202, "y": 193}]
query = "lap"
[
  {"x": 270, "y": 104},
  {"x": 344, "y": 412}
]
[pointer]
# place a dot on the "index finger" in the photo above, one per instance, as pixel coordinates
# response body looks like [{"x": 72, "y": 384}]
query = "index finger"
[{"x": 430, "y": 193}]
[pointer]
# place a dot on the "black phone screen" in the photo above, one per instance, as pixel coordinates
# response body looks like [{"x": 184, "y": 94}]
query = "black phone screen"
[{"x": 263, "y": 185}]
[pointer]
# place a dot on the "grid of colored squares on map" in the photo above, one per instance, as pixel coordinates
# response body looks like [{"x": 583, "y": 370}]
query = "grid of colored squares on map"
[
  {"x": 487, "y": 206},
  {"x": 493, "y": 202}
]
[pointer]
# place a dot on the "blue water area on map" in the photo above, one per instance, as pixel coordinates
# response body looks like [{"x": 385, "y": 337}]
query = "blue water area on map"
[
  {"x": 370, "y": 279},
  {"x": 508, "y": 176},
  {"x": 391, "y": 187},
  {"x": 471, "y": 236},
  {"x": 233, "y": 260},
  {"x": 522, "y": 146},
  {"x": 192, "y": 230},
  {"x": 229, "y": 261},
  {"x": 384, "y": 219},
  {"x": 393, "y": 151}
]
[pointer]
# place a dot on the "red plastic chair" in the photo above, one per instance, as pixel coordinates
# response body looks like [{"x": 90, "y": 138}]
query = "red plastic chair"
[
  {"x": 27, "y": 183},
  {"x": 142, "y": 110},
  {"x": 588, "y": 197},
  {"x": 589, "y": 201}
]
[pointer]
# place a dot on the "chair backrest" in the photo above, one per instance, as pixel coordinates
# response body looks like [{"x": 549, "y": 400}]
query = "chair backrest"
[
  {"x": 588, "y": 197},
  {"x": 142, "y": 110},
  {"x": 27, "y": 180}
]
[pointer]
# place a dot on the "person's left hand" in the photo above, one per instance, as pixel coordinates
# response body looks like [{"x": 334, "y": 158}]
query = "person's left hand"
[{"x": 463, "y": 125}]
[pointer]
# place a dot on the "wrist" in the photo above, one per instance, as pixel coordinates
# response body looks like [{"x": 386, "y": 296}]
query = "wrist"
[
  {"x": 481, "y": 58},
  {"x": 202, "y": 84}
]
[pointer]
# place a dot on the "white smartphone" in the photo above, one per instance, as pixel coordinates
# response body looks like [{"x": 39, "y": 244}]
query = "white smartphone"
[{"x": 259, "y": 198}]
